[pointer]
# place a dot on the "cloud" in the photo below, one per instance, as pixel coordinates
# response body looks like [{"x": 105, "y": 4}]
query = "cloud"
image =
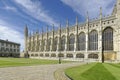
[
  {"x": 10, "y": 8},
  {"x": 36, "y": 10},
  {"x": 6, "y": 32},
  {"x": 92, "y": 6},
  {"x": 7, "y": 7}
]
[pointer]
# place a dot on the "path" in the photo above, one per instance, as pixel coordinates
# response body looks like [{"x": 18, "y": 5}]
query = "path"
[{"x": 41, "y": 72}]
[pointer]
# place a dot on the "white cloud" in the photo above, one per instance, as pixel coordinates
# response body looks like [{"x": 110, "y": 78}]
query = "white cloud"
[
  {"x": 6, "y": 32},
  {"x": 92, "y": 6},
  {"x": 7, "y": 7},
  {"x": 35, "y": 9},
  {"x": 10, "y": 8}
]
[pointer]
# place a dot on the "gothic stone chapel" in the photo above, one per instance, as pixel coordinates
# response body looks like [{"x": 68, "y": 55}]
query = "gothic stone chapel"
[{"x": 86, "y": 41}]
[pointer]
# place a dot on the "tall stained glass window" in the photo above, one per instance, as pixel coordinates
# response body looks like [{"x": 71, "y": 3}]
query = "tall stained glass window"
[
  {"x": 93, "y": 40},
  {"x": 108, "y": 39}
]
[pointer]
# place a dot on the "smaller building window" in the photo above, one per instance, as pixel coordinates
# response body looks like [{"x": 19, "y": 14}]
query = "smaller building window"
[
  {"x": 112, "y": 21},
  {"x": 6, "y": 45},
  {"x": 2, "y": 44},
  {"x": 14, "y": 45},
  {"x": 10, "y": 45}
]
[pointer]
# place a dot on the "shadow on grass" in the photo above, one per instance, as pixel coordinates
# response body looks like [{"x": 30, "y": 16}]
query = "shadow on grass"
[
  {"x": 115, "y": 65},
  {"x": 97, "y": 72}
]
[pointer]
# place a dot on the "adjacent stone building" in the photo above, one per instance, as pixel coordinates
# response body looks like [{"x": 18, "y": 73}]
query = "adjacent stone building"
[
  {"x": 9, "y": 49},
  {"x": 86, "y": 41}
]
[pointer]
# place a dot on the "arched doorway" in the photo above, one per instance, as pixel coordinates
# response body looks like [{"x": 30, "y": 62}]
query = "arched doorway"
[
  {"x": 60, "y": 55},
  {"x": 53, "y": 55},
  {"x": 46, "y": 55},
  {"x": 79, "y": 55},
  {"x": 36, "y": 55},
  {"x": 69, "y": 55},
  {"x": 41, "y": 55},
  {"x": 93, "y": 56},
  {"x": 32, "y": 55}
]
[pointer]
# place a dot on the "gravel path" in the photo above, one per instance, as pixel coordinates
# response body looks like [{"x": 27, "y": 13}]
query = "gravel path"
[{"x": 41, "y": 72}]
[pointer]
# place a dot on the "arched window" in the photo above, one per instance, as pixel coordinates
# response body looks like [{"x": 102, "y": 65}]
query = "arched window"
[
  {"x": 29, "y": 46},
  {"x": 49, "y": 44},
  {"x": 43, "y": 44},
  {"x": 108, "y": 39},
  {"x": 33, "y": 44},
  {"x": 71, "y": 42},
  {"x": 63, "y": 43},
  {"x": 36, "y": 45},
  {"x": 39, "y": 45},
  {"x": 55, "y": 43},
  {"x": 93, "y": 40},
  {"x": 81, "y": 41}
]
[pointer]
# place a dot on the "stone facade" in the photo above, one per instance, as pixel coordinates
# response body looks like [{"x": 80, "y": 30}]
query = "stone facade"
[
  {"x": 79, "y": 42},
  {"x": 9, "y": 49}
]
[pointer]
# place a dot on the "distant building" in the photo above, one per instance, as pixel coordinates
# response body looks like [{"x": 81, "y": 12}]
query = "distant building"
[
  {"x": 9, "y": 49},
  {"x": 91, "y": 40}
]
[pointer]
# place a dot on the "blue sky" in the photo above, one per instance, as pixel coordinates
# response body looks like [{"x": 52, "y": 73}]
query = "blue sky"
[{"x": 15, "y": 14}]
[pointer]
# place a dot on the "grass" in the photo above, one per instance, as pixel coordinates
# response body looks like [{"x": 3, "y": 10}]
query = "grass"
[
  {"x": 11, "y": 62},
  {"x": 116, "y": 65},
  {"x": 115, "y": 71},
  {"x": 94, "y": 71}
]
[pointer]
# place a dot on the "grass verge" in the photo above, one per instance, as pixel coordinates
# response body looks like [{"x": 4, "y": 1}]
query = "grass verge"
[
  {"x": 94, "y": 71},
  {"x": 10, "y": 62}
]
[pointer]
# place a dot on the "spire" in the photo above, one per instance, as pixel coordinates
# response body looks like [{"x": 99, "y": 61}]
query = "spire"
[
  {"x": 114, "y": 10},
  {"x": 26, "y": 31},
  {"x": 87, "y": 17},
  {"x": 33, "y": 33},
  {"x": 30, "y": 34},
  {"x": 26, "y": 37},
  {"x": 76, "y": 20},
  {"x": 100, "y": 12},
  {"x": 37, "y": 31},
  {"x": 47, "y": 28},
  {"x": 60, "y": 28},
  {"x": 67, "y": 23},
  {"x": 118, "y": 7},
  {"x": 53, "y": 27},
  {"x": 42, "y": 30}
]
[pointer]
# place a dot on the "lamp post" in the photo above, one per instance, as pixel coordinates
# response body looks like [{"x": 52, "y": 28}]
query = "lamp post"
[
  {"x": 102, "y": 35},
  {"x": 60, "y": 57},
  {"x": 60, "y": 46},
  {"x": 102, "y": 49}
]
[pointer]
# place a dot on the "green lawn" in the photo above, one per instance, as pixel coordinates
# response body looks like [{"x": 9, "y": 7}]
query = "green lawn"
[
  {"x": 94, "y": 71},
  {"x": 10, "y": 62}
]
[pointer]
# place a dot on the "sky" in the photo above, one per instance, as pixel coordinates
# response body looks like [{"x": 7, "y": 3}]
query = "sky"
[{"x": 16, "y": 14}]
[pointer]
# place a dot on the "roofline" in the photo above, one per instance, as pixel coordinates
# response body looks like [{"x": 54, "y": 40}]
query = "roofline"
[{"x": 6, "y": 41}]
